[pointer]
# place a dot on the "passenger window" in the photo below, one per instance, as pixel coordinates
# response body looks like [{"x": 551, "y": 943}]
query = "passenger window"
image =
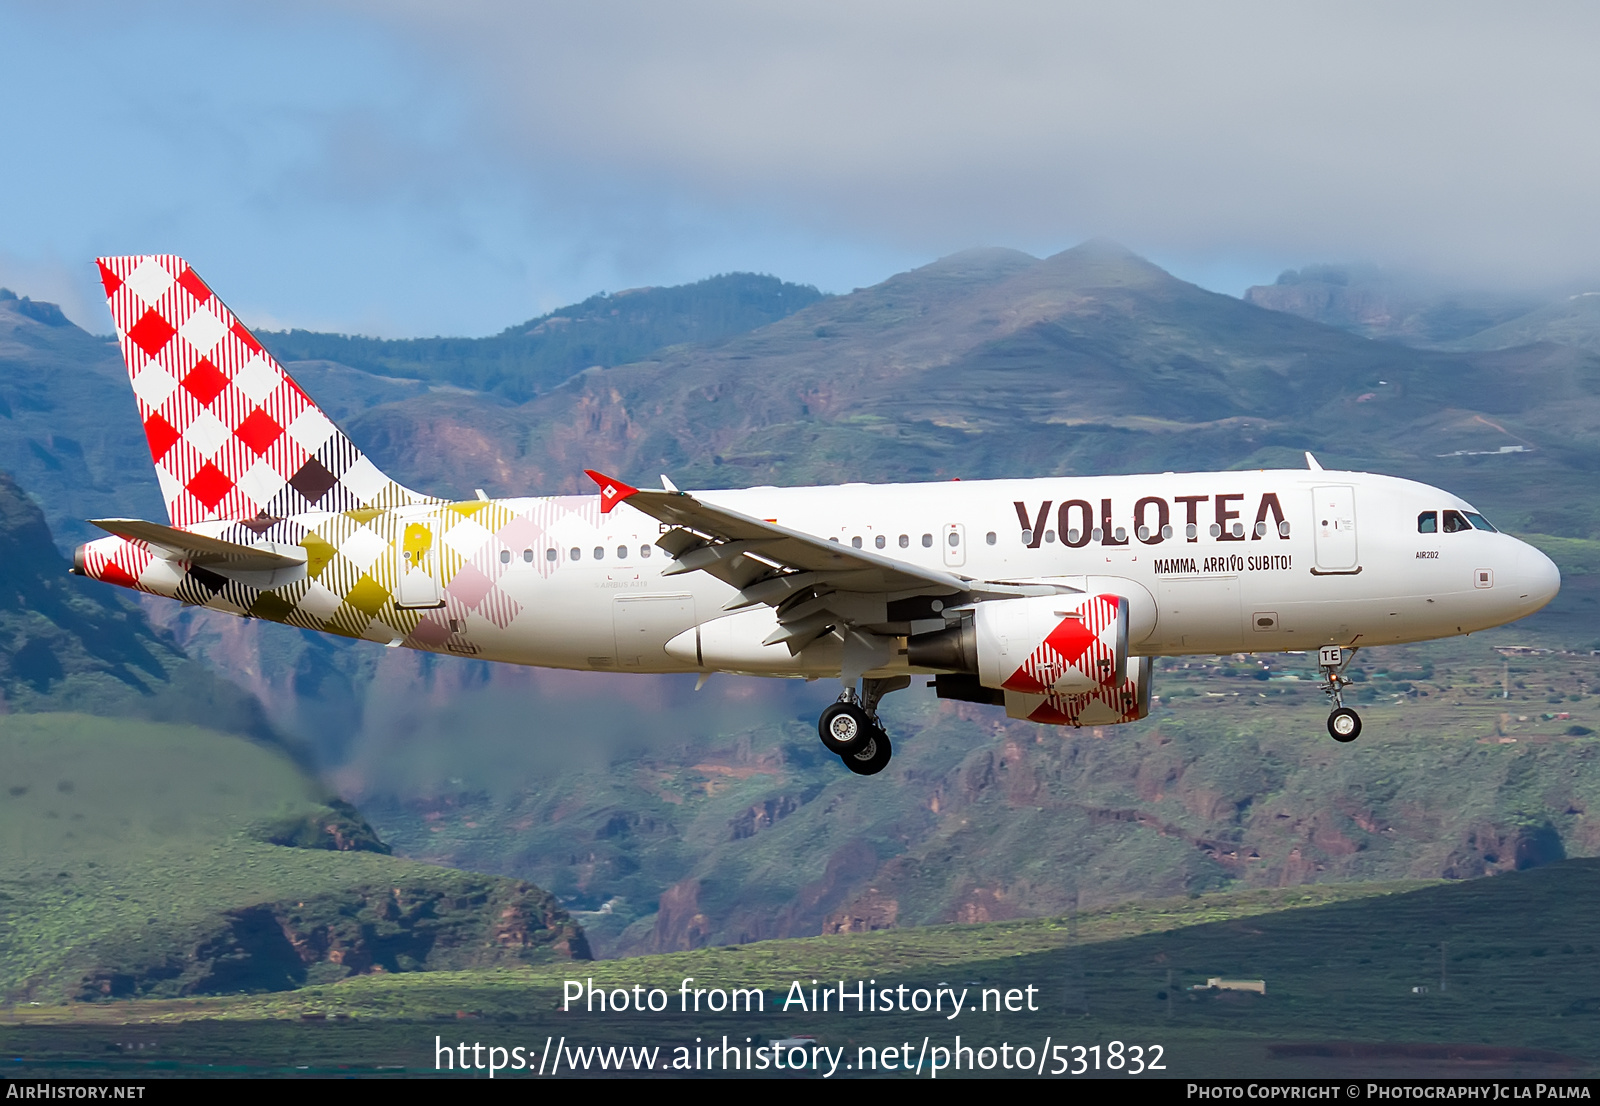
[
  {"x": 927, "y": 541},
  {"x": 505, "y": 556},
  {"x": 1049, "y": 537},
  {"x": 549, "y": 554},
  {"x": 622, "y": 552},
  {"x": 599, "y": 553},
  {"x": 644, "y": 551},
  {"x": 1454, "y": 523},
  {"x": 1479, "y": 522},
  {"x": 990, "y": 537},
  {"x": 880, "y": 541},
  {"x": 855, "y": 543},
  {"x": 577, "y": 554},
  {"x": 905, "y": 541},
  {"x": 955, "y": 539},
  {"x": 1428, "y": 522},
  {"x": 527, "y": 556}
]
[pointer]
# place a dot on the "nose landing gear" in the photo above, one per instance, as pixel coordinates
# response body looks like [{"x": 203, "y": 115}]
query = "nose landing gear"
[
  {"x": 1344, "y": 724},
  {"x": 850, "y": 728}
]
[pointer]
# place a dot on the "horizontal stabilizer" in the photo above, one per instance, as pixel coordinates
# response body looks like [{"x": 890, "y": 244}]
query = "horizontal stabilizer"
[{"x": 209, "y": 552}]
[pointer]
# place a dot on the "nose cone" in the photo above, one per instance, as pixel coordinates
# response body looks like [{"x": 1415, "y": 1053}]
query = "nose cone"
[{"x": 1538, "y": 579}]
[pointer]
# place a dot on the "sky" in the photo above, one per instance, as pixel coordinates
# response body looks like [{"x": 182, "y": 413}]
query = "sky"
[{"x": 406, "y": 168}]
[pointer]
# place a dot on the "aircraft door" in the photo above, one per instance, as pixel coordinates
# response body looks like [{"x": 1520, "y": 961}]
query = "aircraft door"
[
  {"x": 418, "y": 570},
  {"x": 954, "y": 542},
  {"x": 1335, "y": 522}
]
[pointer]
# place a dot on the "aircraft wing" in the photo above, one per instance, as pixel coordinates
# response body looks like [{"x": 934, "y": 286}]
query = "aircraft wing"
[
  {"x": 817, "y": 585},
  {"x": 207, "y": 552}
]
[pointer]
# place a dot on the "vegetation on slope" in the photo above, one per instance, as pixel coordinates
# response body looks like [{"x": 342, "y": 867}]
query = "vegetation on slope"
[
  {"x": 1483, "y": 977},
  {"x": 533, "y": 357},
  {"x": 136, "y": 861}
]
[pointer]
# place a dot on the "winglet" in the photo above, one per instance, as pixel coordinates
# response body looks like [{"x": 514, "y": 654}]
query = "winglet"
[
  {"x": 1311, "y": 463},
  {"x": 612, "y": 491}
]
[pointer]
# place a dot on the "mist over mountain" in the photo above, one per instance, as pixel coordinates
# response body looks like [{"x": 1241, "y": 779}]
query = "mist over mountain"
[{"x": 1382, "y": 303}]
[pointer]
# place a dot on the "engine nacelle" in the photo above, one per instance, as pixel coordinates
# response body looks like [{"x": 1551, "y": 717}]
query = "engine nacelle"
[
  {"x": 1129, "y": 701},
  {"x": 1052, "y": 644}
]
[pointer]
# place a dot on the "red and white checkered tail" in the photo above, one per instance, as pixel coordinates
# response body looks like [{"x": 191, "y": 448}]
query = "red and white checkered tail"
[{"x": 232, "y": 436}]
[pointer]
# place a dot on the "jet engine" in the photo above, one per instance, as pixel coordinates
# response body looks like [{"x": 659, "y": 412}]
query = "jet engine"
[
  {"x": 1061, "y": 659},
  {"x": 1128, "y": 701}
]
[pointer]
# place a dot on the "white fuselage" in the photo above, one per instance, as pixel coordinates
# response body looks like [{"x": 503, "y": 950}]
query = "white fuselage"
[{"x": 1278, "y": 560}]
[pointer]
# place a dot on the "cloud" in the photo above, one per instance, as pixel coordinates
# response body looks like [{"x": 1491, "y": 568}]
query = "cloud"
[
  {"x": 1451, "y": 136},
  {"x": 410, "y": 168}
]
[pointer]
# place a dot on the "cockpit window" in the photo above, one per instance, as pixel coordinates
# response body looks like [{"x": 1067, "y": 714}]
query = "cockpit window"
[
  {"x": 1454, "y": 523},
  {"x": 1428, "y": 522},
  {"x": 1479, "y": 522}
]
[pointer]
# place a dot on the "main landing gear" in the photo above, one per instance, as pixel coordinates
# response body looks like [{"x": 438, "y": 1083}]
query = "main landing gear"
[
  {"x": 851, "y": 731},
  {"x": 1344, "y": 724}
]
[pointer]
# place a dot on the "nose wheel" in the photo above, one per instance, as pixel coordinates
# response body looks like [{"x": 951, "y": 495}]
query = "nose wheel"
[
  {"x": 850, "y": 729},
  {"x": 1344, "y": 724}
]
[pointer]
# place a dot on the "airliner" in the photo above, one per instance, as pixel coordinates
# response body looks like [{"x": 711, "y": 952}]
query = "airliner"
[{"x": 1046, "y": 597}]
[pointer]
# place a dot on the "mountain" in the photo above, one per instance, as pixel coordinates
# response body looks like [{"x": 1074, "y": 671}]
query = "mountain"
[
  {"x": 1423, "y": 312},
  {"x": 1571, "y": 321},
  {"x": 68, "y": 645},
  {"x": 683, "y": 819},
  {"x": 146, "y": 859},
  {"x": 532, "y": 357},
  {"x": 1388, "y": 305},
  {"x": 994, "y": 363}
]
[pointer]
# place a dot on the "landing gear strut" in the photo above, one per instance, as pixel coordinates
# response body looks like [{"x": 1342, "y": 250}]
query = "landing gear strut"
[
  {"x": 1344, "y": 724},
  {"x": 851, "y": 731}
]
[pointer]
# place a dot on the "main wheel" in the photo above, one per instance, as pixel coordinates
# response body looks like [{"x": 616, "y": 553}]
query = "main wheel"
[
  {"x": 1344, "y": 724},
  {"x": 872, "y": 757},
  {"x": 844, "y": 728}
]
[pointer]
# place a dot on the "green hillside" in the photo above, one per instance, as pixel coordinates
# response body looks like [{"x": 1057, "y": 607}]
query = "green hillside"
[
  {"x": 137, "y": 859},
  {"x": 67, "y": 644},
  {"x": 720, "y": 821},
  {"x": 1569, "y": 321},
  {"x": 1481, "y": 978}
]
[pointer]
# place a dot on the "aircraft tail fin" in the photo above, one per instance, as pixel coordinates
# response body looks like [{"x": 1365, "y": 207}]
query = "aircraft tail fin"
[{"x": 231, "y": 434}]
